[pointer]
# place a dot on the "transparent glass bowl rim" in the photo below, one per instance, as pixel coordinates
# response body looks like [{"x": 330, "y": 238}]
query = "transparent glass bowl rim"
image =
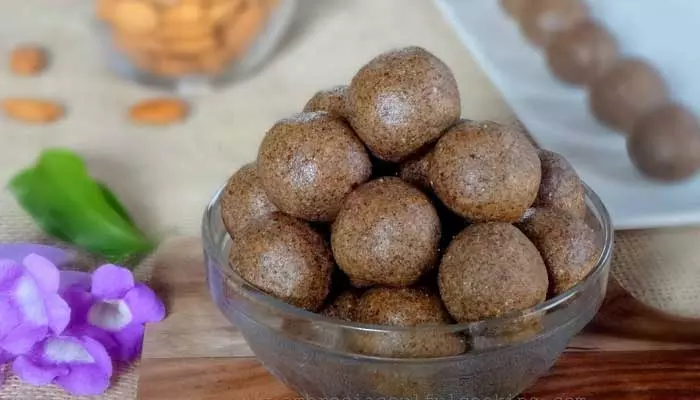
[{"x": 290, "y": 312}]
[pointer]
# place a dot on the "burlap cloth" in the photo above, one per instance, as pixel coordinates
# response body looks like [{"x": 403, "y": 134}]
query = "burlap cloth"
[{"x": 166, "y": 176}]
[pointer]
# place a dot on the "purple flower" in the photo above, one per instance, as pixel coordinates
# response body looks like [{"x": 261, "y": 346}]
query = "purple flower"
[
  {"x": 30, "y": 306},
  {"x": 114, "y": 310},
  {"x": 71, "y": 280},
  {"x": 19, "y": 251},
  {"x": 77, "y": 363},
  {"x": 65, "y": 327}
]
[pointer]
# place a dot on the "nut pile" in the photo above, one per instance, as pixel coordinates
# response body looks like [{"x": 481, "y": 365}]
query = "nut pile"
[
  {"x": 626, "y": 94},
  {"x": 175, "y": 38},
  {"x": 379, "y": 204}
]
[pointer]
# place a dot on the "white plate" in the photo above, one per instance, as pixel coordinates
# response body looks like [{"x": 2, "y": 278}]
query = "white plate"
[{"x": 558, "y": 116}]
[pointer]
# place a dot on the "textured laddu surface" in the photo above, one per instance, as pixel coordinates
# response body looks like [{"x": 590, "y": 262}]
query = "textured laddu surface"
[{"x": 165, "y": 184}]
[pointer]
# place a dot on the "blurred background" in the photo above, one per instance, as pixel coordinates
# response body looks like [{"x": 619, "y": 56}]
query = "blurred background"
[{"x": 166, "y": 174}]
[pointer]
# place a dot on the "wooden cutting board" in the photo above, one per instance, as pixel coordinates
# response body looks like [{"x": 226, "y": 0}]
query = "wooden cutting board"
[{"x": 629, "y": 352}]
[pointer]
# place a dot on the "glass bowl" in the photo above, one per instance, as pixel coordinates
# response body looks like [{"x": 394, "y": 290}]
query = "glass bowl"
[{"x": 311, "y": 354}]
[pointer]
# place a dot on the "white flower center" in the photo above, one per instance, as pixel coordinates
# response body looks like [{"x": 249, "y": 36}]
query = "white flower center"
[
  {"x": 30, "y": 302},
  {"x": 110, "y": 315},
  {"x": 65, "y": 351}
]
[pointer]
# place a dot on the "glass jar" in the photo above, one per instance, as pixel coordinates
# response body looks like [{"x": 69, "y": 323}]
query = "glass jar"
[{"x": 180, "y": 42}]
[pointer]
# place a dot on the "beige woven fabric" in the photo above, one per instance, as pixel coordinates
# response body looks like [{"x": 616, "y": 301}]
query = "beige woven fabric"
[
  {"x": 124, "y": 387},
  {"x": 166, "y": 176},
  {"x": 661, "y": 268}
]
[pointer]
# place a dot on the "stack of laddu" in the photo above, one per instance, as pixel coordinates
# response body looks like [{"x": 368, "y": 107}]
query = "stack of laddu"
[{"x": 378, "y": 204}]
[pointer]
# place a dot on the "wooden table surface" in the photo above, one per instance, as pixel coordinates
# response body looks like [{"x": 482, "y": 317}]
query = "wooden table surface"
[{"x": 628, "y": 352}]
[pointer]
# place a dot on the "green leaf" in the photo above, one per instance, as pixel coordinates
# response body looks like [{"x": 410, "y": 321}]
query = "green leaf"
[
  {"x": 113, "y": 201},
  {"x": 22, "y": 185},
  {"x": 65, "y": 202}
]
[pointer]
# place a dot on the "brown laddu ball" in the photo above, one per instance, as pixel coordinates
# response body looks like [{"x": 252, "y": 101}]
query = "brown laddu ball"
[
  {"x": 542, "y": 20},
  {"x": 415, "y": 169},
  {"x": 511, "y": 332},
  {"x": 485, "y": 171},
  {"x": 628, "y": 90},
  {"x": 567, "y": 245},
  {"x": 309, "y": 163},
  {"x": 284, "y": 257},
  {"x": 386, "y": 233},
  {"x": 332, "y": 100},
  {"x": 665, "y": 144},
  {"x": 360, "y": 284},
  {"x": 491, "y": 269},
  {"x": 343, "y": 306},
  {"x": 560, "y": 186},
  {"x": 402, "y": 100},
  {"x": 243, "y": 200},
  {"x": 582, "y": 53},
  {"x": 515, "y": 8},
  {"x": 404, "y": 307}
]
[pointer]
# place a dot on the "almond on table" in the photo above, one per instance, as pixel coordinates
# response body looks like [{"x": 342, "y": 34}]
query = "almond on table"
[
  {"x": 34, "y": 111},
  {"x": 28, "y": 60},
  {"x": 159, "y": 111}
]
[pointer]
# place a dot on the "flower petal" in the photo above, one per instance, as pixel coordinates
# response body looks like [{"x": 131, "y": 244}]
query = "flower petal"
[
  {"x": 58, "y": 311},
  {"x": 67, "y": 350},
  {"x": 78, "y": 363},
  {"x": 30, "y": 372},
  {"x": 102, "y": 337},
  {"x": 5, "y": 357},
  {"x": 23, "y": 312},
  {"x": 110, "y": 315},
  {"x": 29, "y": 302},
  {"x": 87, "y": 378},
  {"x": 74, "y": 280},
  {"x": 23, "y": 338},
  {"x": 9, "y": 317},
  {"x": 145, "y": 306},
  {"x": 10, "y": 272},
  {"x": 84, "y": 380},
  {"x": 18, "y": 251},
  {"x": 99, "y": 354},
  {"x": 79, "y": 302},
  {"x": 130, "y": 340},
  {"x": 43, "y": 271},
  {"x": 111, "y": 282}
]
